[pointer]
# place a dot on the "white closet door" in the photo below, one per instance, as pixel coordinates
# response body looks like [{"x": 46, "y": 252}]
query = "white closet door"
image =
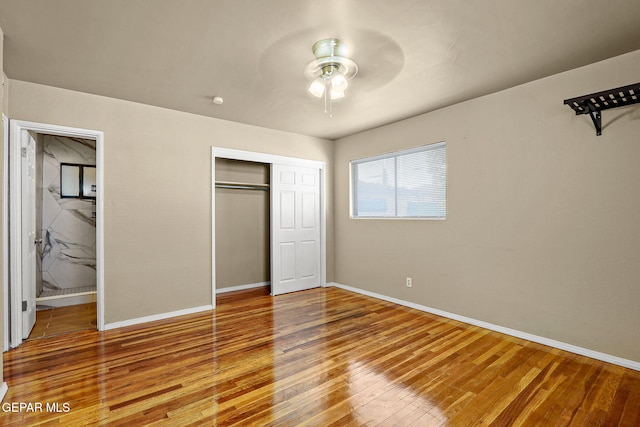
[{"x": 295, "y": 228}]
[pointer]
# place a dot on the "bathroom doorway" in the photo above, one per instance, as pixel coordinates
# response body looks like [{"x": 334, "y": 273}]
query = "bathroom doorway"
[
  {"x": 55, "y": 225},
  {"x": 65, "y": 234}
]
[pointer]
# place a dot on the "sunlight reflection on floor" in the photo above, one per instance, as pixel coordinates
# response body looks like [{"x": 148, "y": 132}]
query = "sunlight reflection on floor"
[{"x": 380, "y": 398}]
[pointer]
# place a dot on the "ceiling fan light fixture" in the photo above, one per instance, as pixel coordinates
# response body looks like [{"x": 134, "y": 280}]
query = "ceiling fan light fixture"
[
  {"x": 316, "y": 88},
  {"x": 339, "y": 81},
  {"x": 330, "y": 71},
  {"x": 336, "y": 94}
]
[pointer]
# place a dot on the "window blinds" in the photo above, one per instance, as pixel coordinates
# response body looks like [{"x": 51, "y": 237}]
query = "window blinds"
[{"x": 404, "y": 184}]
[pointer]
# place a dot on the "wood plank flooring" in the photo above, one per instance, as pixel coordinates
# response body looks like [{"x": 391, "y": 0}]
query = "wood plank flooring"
[
  {"x": 62, "y": 320},
  {"x": 324, "y": 357}
]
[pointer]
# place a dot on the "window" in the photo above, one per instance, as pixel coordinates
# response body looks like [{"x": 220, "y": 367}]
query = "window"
[
  {"x": 404, "y": 184},
  {"x": 77, "y": 181}
]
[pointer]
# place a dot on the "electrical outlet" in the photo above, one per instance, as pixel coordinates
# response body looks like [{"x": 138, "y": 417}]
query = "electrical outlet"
[{"x": 409, "y": 282}]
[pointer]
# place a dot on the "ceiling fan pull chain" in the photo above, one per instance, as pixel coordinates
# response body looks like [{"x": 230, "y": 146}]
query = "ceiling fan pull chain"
[{"x": 327, "y": 97}]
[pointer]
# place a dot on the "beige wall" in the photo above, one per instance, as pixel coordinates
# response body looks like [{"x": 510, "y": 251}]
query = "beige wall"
[
  {"x": 242, "y": 225},
  {"x": 5, "y": 94},
  {"x": 543, "y": 226},
  {"x": 157, "y": 191}
]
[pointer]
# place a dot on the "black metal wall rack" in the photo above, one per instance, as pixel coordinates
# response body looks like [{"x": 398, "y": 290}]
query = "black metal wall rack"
[{"x": 596, "y": 102}]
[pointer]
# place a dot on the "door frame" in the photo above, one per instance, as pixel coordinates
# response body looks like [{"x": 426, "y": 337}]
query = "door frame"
[
  {"x": 5, "y": 231},
  {"x": 252, "y": 156},
  {"x": 15, "y": 222}
]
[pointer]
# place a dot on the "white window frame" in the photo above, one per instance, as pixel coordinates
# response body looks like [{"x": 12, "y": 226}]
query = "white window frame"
[{"x": 353, "y": 179}]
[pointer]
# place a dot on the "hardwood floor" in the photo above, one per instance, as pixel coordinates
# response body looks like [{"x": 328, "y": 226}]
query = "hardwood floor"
[
  {"x": 324, "y": 357},
  {"x": 236, "y": 296},
  {"x": 62, "y": 320}
]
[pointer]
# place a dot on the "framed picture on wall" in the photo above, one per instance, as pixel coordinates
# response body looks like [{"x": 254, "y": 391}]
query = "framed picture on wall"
[{"x": 77, "y": 181}]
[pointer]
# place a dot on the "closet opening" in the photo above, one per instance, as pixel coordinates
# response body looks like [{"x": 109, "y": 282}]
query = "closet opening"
[
  {"x": 268, "y": 223},
  {"x": 242, "y": 228}
]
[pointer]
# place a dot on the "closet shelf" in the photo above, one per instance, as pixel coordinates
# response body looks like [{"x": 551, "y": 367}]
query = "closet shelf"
[
  {"x": 596, "y": 102},
  {"x": 241, "y": 185}
]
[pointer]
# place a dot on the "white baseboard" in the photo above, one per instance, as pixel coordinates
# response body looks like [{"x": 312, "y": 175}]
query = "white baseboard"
[
  {"x": 242, "y": 287},
  {"x": 155, "y": 317},
  {"x": 631, "y": 364},
  {"x": 3, "y": 390},
  {"x": 65, "y": 302}
]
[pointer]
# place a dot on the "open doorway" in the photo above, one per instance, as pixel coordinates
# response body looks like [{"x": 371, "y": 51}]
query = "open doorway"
[
  {"x": 65, "y": 202},
  {"x": 55, "y": 238}
]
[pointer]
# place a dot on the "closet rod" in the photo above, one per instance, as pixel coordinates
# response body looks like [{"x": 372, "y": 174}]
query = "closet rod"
[{"x": 241, "y": 185}]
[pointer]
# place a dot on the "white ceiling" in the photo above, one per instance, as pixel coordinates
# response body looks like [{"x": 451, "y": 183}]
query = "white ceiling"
[{"x": 414, "y": 55}]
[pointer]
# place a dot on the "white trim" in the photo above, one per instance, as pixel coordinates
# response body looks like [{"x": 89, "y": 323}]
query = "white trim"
[
  {"x": 5, "y": 230},
  {"x": 242, "y": 287},
  {"x": 15, "y": 227},
  {"x": 3, "y": 390},
  {"x": 250, "y": 156},
  {"x": 16, "y": 128},
  {"x": 626, "y": 363},
  {"x": 100, "y": 230},
  {"x": 65, "y": 300},
  {"x": 156, "y": 317},
  {"x": 323, "y": 226},
  {"x": 213, "y": 227}
]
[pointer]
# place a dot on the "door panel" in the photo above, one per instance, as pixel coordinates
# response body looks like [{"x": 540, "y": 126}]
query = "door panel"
[
  {"x": 309, "y": 210},
  {"x": 295, "y": 228},
  {"x": 29, "y": 252},
  {"x": 309, "y": 179},
  {"x": 308, "y": 260},
  {"x": 287, "y": 177},
  {"x": 287, "y": 261},
  {"x": 287, "y": 210}
]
